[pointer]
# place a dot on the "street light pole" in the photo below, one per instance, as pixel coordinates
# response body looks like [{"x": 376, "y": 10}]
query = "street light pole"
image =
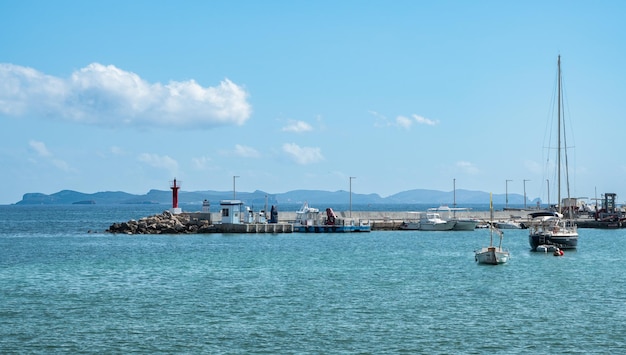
[
  {"x": 351, "y": 177},
  {"x": 548, "y": 182},
  {"x": 453, "y": 192},
  {"x": 507, "y": 193},
  {"x": 234, "y": 190},
  {"x": 525, "y": 193}
]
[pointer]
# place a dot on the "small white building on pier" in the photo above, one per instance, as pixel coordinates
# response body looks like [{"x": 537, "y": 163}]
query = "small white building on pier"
[{"x": 231, "y": 211}]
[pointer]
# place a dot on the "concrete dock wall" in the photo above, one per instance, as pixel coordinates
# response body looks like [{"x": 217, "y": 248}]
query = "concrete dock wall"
[
  {"x": 405, "y": 215},
  {"x": 254, "y": 228},
  {"x": 289, "y": 216}
]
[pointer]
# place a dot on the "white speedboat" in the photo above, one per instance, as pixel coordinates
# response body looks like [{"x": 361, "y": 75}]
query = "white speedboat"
[
  {"x": 465, "y": 224},
  {"x": 433, "y": 222},
  {"x": 508, "y": 225},
  {"x": 412, "y": 222},
  {"x": 410, "y": 225},
  {"x": 449, "y": 214}
]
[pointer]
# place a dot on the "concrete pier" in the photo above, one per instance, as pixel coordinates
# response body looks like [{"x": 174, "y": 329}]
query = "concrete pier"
[
  {"x": 202, "y": 222},
  {"x": 393, "y": 216},
  {"x": 379, "y": 220},
  {"x": 391, "y": 220},
  {"x": 252, "y": 228}
]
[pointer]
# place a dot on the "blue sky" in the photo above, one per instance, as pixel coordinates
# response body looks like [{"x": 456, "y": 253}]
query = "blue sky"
[{"x": 126, "y": 95}]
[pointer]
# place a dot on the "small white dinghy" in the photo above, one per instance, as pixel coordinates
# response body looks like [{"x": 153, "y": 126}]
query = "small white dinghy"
[{"x": 545, "y": 248}]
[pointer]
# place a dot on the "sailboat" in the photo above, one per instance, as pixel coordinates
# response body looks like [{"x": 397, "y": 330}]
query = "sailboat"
[
  {"x": 550, "y": 229},
  {"x": 492, "y": 255}
]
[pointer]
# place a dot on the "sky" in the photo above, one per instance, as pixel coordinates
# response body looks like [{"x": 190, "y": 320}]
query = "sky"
[{"x": 369, "y": 96}]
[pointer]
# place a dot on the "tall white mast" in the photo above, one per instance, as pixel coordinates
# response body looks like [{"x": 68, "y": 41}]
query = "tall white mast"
[{"x": 559, "y": 139}]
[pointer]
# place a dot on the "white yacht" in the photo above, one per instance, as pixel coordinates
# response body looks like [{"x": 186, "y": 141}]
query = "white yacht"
[{"x": 433, "y": 222}]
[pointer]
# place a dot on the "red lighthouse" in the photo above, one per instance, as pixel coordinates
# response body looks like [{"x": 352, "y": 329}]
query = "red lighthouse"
[{"x": 175, "y": 188}]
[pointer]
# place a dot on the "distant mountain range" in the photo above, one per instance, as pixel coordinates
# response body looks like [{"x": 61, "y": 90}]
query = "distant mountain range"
[{"x": 316, "y": 197}]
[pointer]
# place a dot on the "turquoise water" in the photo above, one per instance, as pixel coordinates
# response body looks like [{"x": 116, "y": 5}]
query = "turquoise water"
[{"x": 65, "y": 290}]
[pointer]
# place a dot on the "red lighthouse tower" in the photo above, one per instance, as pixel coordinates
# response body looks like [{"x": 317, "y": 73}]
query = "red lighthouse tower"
[{"x": 175, "y": 209}]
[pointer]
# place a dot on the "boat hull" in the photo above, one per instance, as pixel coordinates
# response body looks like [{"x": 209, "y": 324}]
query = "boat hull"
[
  {"x": 428, "y": 226},
  {"x": 508, "y": 225},
  {"x": 562, "y": 241},
  {"x": 410, "y": 226},
  {"x": 492, "y": 256},
  {"x": 447, "y": 226},
  {"x": 465, "y": 225}
]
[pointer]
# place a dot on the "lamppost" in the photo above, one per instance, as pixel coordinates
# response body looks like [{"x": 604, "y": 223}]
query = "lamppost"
[
  {"x": 548, "y": 182},
  {"x": 525, "y": 193},
  {"x": 453, "y": 192},
  {"x": 351, "y": 177},
  {"x": 234, "y": 190},
  {"x": 507, "y": 193}
]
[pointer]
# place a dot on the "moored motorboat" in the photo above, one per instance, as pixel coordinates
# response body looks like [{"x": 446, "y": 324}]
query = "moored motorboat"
[
  {"x": 412, "y": 222},
  {"x": 433, "y": 222},
  {"x": 550, "y": 228},
  {"x": 508, "y": 225},
  {"x": 410, "y": 225},
  {"x": 460, "y": 224},
  {"x": 465, "y": 224}
]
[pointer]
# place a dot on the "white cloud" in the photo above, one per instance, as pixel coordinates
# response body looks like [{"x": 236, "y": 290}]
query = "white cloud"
[
  {"x": 108, "y": 96},
  {"x": 297, "y": 127},
  {"x": 117, "y": 150},
  {"x": 467, "y": 167},
  {"x": 43, "y": 152},
  {"x": 246, "y": 152},
  {"x": 240, "y": 151},
  {"x": 160, "y": 162},
  {"x": 40, "y": 148},
  {"x": 201, "y": 163},
  {"x": 61, "y": 165},
  {"x": 303, "y": 155},
  {"x": 422, "y": 120},
  {"x": 404, "y": 122}
]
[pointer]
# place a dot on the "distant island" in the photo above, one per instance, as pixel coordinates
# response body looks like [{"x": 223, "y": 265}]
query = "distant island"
[{"x": 315, "y": 197}]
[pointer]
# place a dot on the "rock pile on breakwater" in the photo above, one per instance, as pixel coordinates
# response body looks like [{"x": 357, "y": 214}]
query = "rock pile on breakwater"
[{"x": 164, "y": 223}]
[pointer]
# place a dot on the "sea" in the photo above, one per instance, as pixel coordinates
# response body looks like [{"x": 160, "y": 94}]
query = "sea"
[{"x": 66, "y": 286}]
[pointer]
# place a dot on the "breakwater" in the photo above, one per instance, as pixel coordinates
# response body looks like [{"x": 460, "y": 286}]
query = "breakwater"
[
  {"x": 191, "y": 223},
  {"x": 199, "y": 222}
]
